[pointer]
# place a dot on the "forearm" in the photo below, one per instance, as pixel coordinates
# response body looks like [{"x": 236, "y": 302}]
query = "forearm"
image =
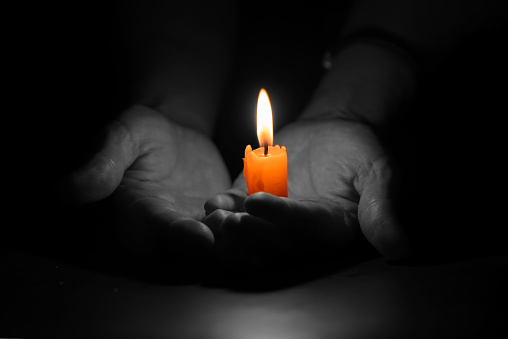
[
  {"x": 428, "y": 29},
  {"x": 387, "y": 47},
  {"x": 179, "y": 56},
  {"x": 370, "y": 79}
]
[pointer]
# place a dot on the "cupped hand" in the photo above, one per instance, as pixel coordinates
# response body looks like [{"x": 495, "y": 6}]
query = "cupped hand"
[
  {"x": 340, "y": 182},
  {"x": 157, "y": 174}
]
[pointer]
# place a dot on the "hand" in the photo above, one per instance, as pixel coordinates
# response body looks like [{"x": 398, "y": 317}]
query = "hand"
[
  {"x": 158, "y": 174},
  {"x": 340, "y": 181}
]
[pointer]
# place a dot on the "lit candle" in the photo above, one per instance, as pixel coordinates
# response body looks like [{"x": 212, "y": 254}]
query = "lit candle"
[{"x": 265, "y": 168}]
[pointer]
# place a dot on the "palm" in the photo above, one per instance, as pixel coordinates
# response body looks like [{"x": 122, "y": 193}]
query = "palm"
[
  {"x": 327, "y": 158},
  {"x": 158, "y": 174},
  {"x": 179, "y": 166}
]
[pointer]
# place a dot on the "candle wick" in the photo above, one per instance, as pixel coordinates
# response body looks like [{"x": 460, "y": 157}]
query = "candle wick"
[{"x": 266, "y": 149}]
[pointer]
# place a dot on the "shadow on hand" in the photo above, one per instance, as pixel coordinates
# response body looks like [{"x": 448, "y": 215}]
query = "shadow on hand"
[
  {"x": 212, "y": 270},
  {"x": 275, "y": 275},
  {"x": 84, "y": 237}
]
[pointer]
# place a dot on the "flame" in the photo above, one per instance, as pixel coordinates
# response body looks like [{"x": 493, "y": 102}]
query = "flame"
[{"x": 264, "y": 119}]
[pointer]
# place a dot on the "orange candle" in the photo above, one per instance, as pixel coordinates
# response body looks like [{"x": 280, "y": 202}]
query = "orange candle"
[{"x": 265, "y": 168}]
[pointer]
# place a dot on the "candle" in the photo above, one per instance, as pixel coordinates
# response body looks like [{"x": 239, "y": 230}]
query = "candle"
[{"x": 265, "y": 168}]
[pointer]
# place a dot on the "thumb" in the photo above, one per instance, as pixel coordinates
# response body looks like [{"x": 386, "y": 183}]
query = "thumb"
[
  {"x": 102, "y": 174},
  {"x": 376, "y": 213}
]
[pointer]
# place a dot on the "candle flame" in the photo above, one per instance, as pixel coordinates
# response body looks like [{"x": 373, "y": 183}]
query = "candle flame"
[{"x": 264, "y": 119}]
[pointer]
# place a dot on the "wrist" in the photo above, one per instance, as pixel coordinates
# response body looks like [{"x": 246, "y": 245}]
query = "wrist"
[
  {"x": 369, "y": 81},
  {"x": 186, "y": 110},
  {"x": 186, "y": 89}
]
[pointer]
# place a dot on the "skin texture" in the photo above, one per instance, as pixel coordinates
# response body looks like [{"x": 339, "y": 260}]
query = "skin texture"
[
  {"x": 157, "y": 174},
  {"x": 339, "y": 180}
]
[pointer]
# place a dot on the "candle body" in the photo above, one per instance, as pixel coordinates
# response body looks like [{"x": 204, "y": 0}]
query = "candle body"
[{"x": 266, "y": 173}]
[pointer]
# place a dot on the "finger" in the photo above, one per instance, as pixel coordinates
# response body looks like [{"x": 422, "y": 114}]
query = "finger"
[
  {"x": 214, "y": 221},
  {"x": 250, "y": 244},
  {"x": 270, "y": 207},
  {"x": 232, "y": 200},
  {"x": 245, "y": 227},
  {"x": 233, "y": 231},
  {"x": 100, "y": 176},
  {"x": 151, "y": 226},
  {"x": 321, "y": 221},
  {"x": 377, "y": 217}
]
